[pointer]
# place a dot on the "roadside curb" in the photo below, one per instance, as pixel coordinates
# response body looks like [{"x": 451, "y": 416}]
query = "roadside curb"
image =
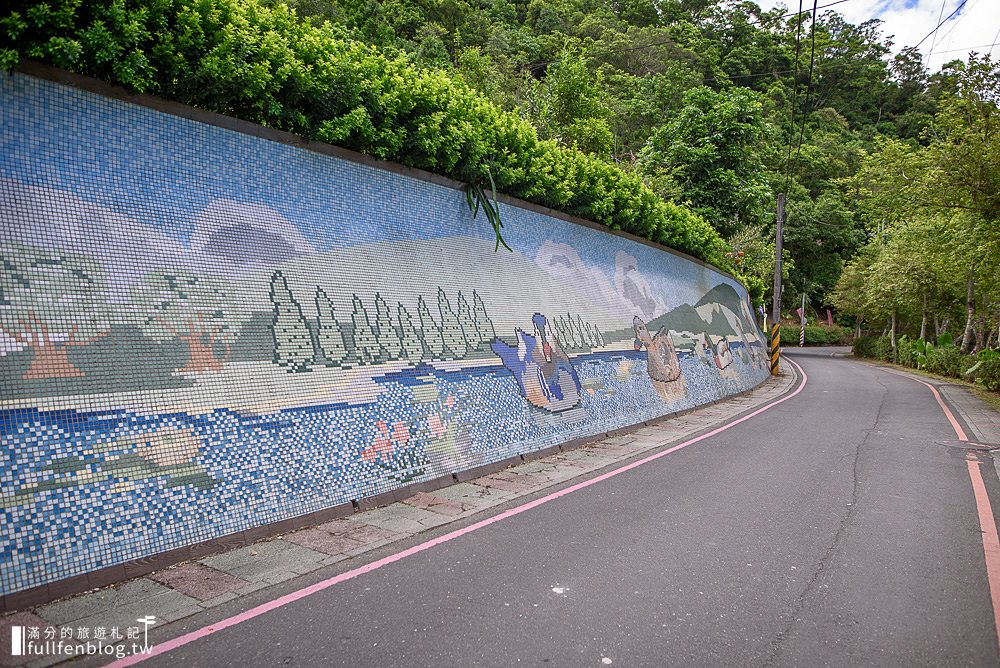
[
  {"x": 185, "y": 589},
  {"x": 977, "y": 417}
]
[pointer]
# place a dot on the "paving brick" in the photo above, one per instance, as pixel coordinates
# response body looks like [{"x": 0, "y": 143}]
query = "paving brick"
[
  {"x": 270, "y": 561},
  {"x": 87, "y": 605},
  {"x": 367, "y": 533},
  {"x": 198, "y": 580},
  {"x": 503, "y": 484},
  {"x": 26, "y": 619},
  {"x": 436, "y": 504},
  {"x": 323, "y": 541}
]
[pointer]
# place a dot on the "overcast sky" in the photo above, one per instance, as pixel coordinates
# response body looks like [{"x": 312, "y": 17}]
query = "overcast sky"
[{"x": 975, "y": 27}]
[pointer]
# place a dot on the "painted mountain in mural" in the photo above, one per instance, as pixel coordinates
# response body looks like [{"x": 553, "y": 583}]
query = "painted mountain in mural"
[{"x": 724, "y": 295}]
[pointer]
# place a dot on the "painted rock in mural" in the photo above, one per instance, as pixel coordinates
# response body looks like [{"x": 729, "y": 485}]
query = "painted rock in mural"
[
  {"x": 662, "y": 361},
  {"x": 541, "y": 367}
]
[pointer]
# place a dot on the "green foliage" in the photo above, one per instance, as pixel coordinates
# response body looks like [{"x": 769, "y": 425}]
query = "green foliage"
[
  {"x": 712, "y": 149},
  {"x": 944, "y": 359},
  {"x": 260, "y": 62},
  {"x": 989, "y": 374},
  {"x": 816, "y": 335}
]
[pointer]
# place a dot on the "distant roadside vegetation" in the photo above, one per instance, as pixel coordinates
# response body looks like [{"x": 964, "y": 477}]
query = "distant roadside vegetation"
[{"x": 942, "y": 357}]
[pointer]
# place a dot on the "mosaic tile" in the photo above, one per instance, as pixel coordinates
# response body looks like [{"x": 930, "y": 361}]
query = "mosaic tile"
[{"x": 203, "y": 332}]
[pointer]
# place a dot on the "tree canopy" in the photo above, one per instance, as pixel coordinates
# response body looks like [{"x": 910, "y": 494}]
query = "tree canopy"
[{"x": 677, "y": 120}]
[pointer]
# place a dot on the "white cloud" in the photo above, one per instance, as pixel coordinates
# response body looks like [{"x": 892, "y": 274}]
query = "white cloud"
[
  {"x": 630, "y": 294},
  {"x": 228, "y": 238},
  {"x": 906, "y": 22}
]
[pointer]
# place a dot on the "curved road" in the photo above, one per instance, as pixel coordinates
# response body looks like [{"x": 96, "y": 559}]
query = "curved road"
[{"x": 832, "y": 529}]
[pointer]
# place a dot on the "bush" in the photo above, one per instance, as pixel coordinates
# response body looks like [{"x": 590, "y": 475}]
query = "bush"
[
  {"x": 906, "y": 352},
  {"x": 864, "y": 346},
  {"x": 989, "y": 374},
  {"x": 946, "y": 361},
  {"x": 256, "y": 60},
  {"x": 816, "y": 335}
]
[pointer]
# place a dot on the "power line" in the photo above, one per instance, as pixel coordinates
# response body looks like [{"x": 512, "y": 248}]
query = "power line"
[
  {"x": 933, "y": 41},
  {"x": 941, "y": 23},
  {"x": 795, "y": 95},
  {"x": 809, "y": 86},
  {"x": 954, "y": 24}
]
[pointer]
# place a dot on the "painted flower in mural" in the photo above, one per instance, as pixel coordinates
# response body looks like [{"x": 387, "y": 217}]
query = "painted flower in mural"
[
  {"x": 386, "y": 442},
  {"x": 436, "y": 425}
]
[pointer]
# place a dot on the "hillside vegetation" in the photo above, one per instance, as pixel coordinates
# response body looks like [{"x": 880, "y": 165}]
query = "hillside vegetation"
[{"x": 676, "y": 120}]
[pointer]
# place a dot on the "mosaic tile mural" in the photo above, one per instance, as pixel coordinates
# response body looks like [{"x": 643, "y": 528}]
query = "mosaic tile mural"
[{"x": 203, "y": 331}]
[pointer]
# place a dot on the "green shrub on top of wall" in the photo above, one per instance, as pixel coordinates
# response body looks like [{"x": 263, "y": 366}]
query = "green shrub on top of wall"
[
  {"x": 816, "y": 335},
  {"x": 261, "y": 63}
]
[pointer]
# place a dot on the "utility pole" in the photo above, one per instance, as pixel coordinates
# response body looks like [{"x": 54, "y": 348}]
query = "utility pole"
[{"x": 776, "y": 304}]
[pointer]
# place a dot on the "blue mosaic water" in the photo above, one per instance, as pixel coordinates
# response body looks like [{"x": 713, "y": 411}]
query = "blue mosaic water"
[{"x": 265, "y": 468}]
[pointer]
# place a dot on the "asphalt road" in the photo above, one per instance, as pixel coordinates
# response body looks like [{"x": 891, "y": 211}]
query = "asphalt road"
[{"x": 831, "y": 530}]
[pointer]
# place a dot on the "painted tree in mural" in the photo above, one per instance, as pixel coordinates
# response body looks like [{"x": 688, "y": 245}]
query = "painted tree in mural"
[
  {"x": 581, "y": 332},
  {"x": 51, "y": 302},
  {"x": 560, "y": 324},
  {"x": 468, "y": 323},
  {"x": 484, "y": 326},
  {"x": 331, "y": 339},
  {"x": 572, "y": 336},
  {"x": 388, "y": 337},
  {"x": 433, "y": 340},
  {"x": 196, "y": 309},
  {"x": 413, "y": 348},
  {"x": 366, "y": 347},
  {"x": 293, "y": 347},
  {"x": 451, "y": 329}
]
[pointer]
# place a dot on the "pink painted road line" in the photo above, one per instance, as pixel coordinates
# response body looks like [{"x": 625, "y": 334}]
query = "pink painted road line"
[
  {"x": 987, "y": 525},
  {"x": 263, "y": 608},
  {"x": 991, "y": 542}
]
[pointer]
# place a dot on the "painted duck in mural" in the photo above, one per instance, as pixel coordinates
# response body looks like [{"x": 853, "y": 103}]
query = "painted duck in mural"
[
  {"x": 723, "y": 354},
  {"x": 541, "y": 367},
  {"x": 662, "y": 361}
]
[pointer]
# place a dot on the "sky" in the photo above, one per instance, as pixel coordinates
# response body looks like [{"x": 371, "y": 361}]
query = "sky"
[{"x": 975, "y": 27}]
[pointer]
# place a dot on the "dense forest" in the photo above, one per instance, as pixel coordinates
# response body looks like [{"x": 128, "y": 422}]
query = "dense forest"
[{"x": 653, "y": 116}]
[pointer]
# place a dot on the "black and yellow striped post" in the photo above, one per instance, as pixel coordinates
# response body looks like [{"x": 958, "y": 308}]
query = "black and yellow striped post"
[{"x": 775, "y": 346}]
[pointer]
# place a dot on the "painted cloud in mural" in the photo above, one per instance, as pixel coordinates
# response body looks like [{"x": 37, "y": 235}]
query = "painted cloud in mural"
[
  {"x": 630, "y": 292},
  {"x": 246, "y": 234},
  {"x": 227, "y": 238}
]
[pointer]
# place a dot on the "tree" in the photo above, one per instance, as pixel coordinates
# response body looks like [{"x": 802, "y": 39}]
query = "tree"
[
  {"x": 433, "y": 340},
  {"x": 51, "y": 302},
  {"x": 712, "y": 148},
  {"x": 388, "y": 337},
  {"x": 328, "y": 332},
  {"x": 468, "y": 323},
  {"x": 194, "y": 308},
  {"x": 572, "y": 334},
  {"x": 366, "y": 347},
  {"x": 580, "y": 332},
  {"x": 451, "y": 329},
  {"x": 568, "y": 105},
  {"x": 412, "y": 346},
  {"x": 293, "y": 347},
  {"x": 484, "y": 326}
]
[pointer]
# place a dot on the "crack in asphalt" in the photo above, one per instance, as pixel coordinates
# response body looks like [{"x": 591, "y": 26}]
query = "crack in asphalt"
[{"x": 811, "y": 585}]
